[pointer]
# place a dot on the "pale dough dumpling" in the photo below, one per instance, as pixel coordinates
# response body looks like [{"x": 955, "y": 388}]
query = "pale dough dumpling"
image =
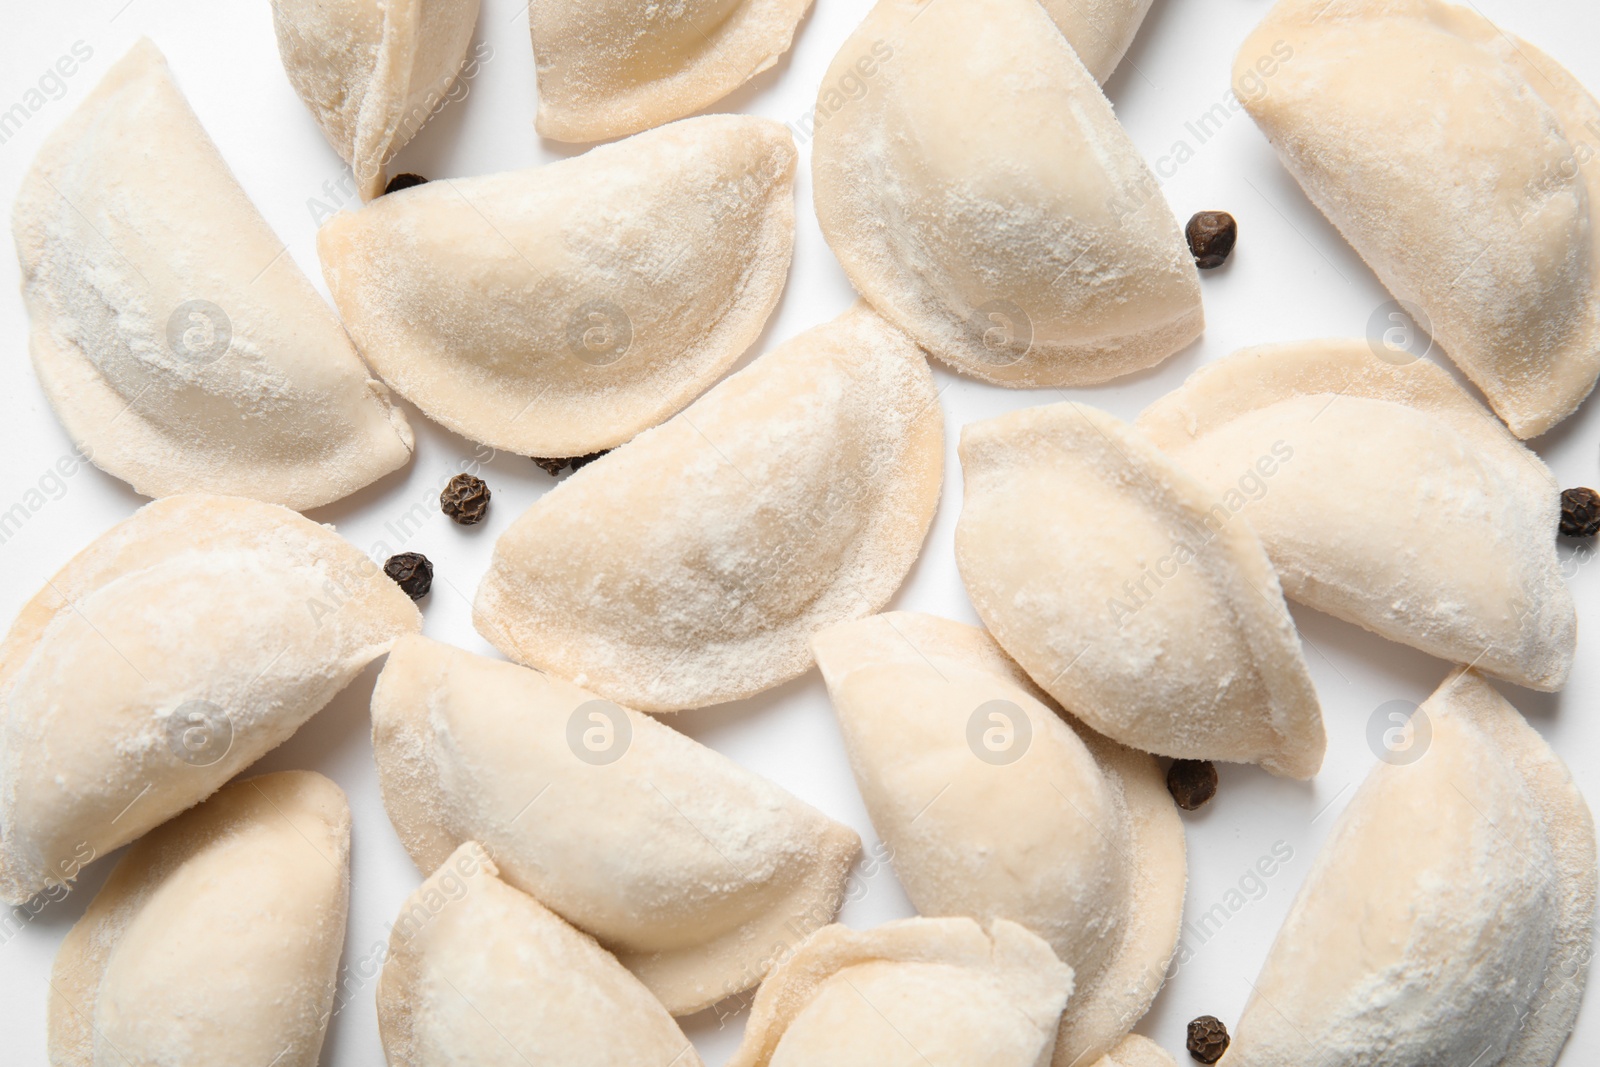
[
  {"x": 1100, "y": 567},
  {"x": 691, "y": 566},
  {"x": 478, "y": 973},
  {"x": 1474, "y": 196},
  {"x": 558, "y": 311},
  {"x": 1100, "y": 31},
  {"x": 373, "y": 71},
  {"x": 1385, "y": 496},
  {"x": 982, "y": 196},
  {"x": 993, "y": 807},
  {"x": 608, "y": 68},
  {"x": 176, "y": 650},
  {"x": 175, "y": 338},
  {"x": 688, "y": 867},
  {"x": 1449, "y": 918},
  {"x": 216, "y": 941},
  {"x": 1136, "y": 1051},
  {"x": 909, "y": 994}
]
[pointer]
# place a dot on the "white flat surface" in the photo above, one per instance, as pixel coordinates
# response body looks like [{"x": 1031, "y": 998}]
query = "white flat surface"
[{"x": 1292, "y": 277}]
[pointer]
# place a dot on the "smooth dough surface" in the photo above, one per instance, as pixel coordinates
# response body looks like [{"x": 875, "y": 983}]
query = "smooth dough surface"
[
  {"x": 481, "y": 975},
  {"x": 983, "y": 197},
  {"x": 1100, "y": 31},
  {"x": 608, "y": 68},
  {"x": 216, "y": 941},
  {"x": 1136, "y": 1051},
  {"x": 692, "y": 565},
  {"x": 1449, "y": 918},
  {"x": 175, "y": 339},
  {"x": 1099, "y": 566},
  {"x": 1458, "y": 161},
  {"x": 1073, "y": 837},
  {"x": 1460, "y": 558},
  {"x": 372, "y": 72},
  {"x": 177, "y": 649},
  {"x": 691, "y": 869},
  {"x": 558, "y": 311},
  {"x": 911, "y": 993}
]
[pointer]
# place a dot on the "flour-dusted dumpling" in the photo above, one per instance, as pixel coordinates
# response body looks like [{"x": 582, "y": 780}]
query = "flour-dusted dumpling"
[
  {"x": 993, "y": 807},
  {"x": 373, "y": 71},
  {"x": 1100, "y": 31},
  {"x": 691, "y": 566},
  {"x": 608, "y": 68},
  {"x": 175, "y": 338},
  {"x": 1475, "y": 196},
  {"x": 560, "y": 310},
  {"x": 691, "y": 869},
  {"x": 1385, "y": 496},
  {"x": 983, "y": 197},
  {"x": 1104, "y": 571},
  {"x": 1136, "y": 1051},
  {"x": 1450, "y": 917},
  {"x": 909, "y": 994},
  {"x": 478, "y": 973},
  {"x": 170, "y": 654},
  {"x": 216, "y": 941}
]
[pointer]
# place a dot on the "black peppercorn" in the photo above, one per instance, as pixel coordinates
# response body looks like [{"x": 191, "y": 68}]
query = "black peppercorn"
[
  {"x": 554, "y": 467},
  {"x": 412, "y": 572},
  {"x": 1580, "y": 512},
  {"x": 403, "y": 181},
  {"x": 1211, "y": 237},
  {"x": 1208, "y": 1039},
  {"x": 1192, "y": 782},
  {"x": 465, "y": 499}
]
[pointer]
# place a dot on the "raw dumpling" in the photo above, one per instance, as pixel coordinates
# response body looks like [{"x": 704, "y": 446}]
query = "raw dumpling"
[
  {"x": 1385, "y": 496},
  {"x": 909, "y": 994},
  {"x": 173, "y": 652},
  {"x": 478, "y": 973},
  {"x": 1449, "y": 919},
  {"x": 1136, "y": 1051},
  {"x": 994, "y": 807},
  {"x": 216, "y": 941},
  {"x": 1474, "y": 195},
  {"x": 560, "y": 310},
  {"x": 373, "y": 71},
  {"x": 691, "y": 566},
  {"x": 608, "y": 68},
  {"x": 983, "y": 197},
  {"x": 688, "y": 867},
  {"x": 1100, "y": 31},
  {"x": 1101, "y": 568},
  {"x": 178, "y": 343}
]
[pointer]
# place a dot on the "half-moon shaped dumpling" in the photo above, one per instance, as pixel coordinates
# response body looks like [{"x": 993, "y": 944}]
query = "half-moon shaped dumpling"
[
  {"x": 995, "y": 808},
  {"x": 691, "y": 566},
  {"x": 1104, "y": 571},
  {"x": 1458, "y": 559},
  {"x": 178, "y": 343},
  {"x": 908, "y": 994},
  {"x": 684, "y": 864},
  {"x": 1450, "y": 917},
  {"x": 1100, "y": 31},
  {"x": 478, "y": 973},
  {"x": 176, "y": 650},
  {"x": 372, "y": 72},
  {"x": 608, "y": 68},
  {"x": 560, "y": 310},
  {"x": 983, "y": 197},
  {"x": 1481, "y": 207},
  {"x": 1136, "y": 1051},
  {"x": 216, "y": 941}
]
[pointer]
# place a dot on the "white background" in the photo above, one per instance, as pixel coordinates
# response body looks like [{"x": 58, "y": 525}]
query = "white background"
[{"x": 1292, "y": 277}]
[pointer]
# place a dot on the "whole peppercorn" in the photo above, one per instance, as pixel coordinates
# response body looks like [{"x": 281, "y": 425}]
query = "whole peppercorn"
[
  {"x": 554, "y": 467},
  {"x": 1211, "y": 235},
  {"x": 403, "y": 181},
  {"x": 1208, "y": 1039},
  {"x": 1192, "y": 782},
  {"x": 412, "y": 572},
  {"x": 1580, "y": 512},
  {"x": 465, "y": 499}
]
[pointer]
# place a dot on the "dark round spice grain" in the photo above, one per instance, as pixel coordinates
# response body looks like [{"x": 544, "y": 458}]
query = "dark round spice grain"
[
  {"x": 412, "y": 572},
  {"x": 554, "y": 467},
  {"x": 403, "y": 181},
  {"x": 1208, "y": 1039},
  {"x": 1580, "y": 512},
  {"x": 1211, "y": 235},
  {"x": 465, "y": 499},
  {"x": 1192, "y": 782}
]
